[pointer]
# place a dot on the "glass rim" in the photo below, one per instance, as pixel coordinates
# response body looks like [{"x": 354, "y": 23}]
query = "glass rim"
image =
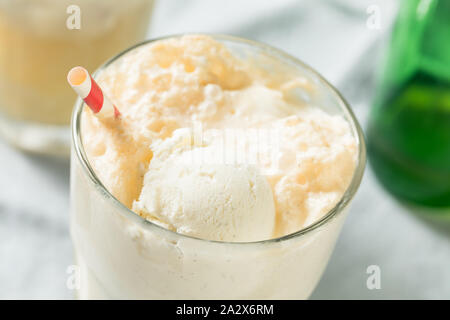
[{"x": 343, "y": 104}]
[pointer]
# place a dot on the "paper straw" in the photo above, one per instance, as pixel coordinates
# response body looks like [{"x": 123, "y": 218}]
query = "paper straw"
[{"x": 88, "y": 90}]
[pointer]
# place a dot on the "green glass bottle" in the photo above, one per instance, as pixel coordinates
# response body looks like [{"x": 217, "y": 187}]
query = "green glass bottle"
[{"x": 409, "y": 127}]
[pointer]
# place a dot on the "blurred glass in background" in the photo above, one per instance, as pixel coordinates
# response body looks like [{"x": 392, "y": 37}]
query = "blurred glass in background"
[
  {"x": 409, "y": 127},
  {"x": 40, "y": 40}
]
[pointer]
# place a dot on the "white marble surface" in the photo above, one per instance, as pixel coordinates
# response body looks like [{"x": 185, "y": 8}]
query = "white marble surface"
[{"x": 412, "y": 252}]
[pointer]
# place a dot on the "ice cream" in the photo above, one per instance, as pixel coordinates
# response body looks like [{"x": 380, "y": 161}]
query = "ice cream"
[
  {"x": 218, "y": 140},
  {"x": 210, "y": 201},
  {"x": 169, "y": 86}
]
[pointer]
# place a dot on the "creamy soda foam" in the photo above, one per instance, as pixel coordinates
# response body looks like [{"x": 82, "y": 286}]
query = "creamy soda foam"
[{"x": 296, "y": 160}]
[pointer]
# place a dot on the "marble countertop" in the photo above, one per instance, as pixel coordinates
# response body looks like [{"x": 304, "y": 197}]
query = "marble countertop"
[{"x": 411, "y": 250}]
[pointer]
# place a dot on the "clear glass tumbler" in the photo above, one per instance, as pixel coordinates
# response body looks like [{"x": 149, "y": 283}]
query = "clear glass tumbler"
[
  {"x": 40, "y": 40},
  {"x": 123, "y": 256}
]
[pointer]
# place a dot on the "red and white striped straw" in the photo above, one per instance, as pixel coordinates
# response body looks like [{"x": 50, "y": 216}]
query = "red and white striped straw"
[{"x": 88, "y": 90}]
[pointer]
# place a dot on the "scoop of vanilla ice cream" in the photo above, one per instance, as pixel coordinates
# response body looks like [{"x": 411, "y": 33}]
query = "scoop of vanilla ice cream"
[{"x": 213, "y": 201}]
